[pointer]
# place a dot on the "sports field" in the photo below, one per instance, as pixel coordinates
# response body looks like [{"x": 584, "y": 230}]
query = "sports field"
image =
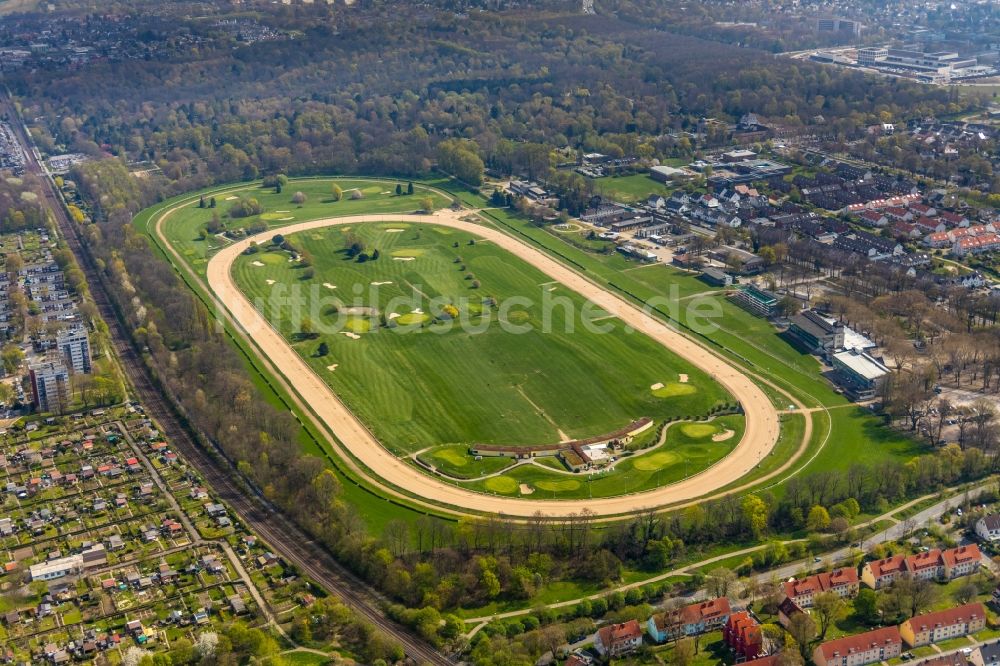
[
  {"x": 418, "y": 379},
  {"x": 187, "y": 228}
]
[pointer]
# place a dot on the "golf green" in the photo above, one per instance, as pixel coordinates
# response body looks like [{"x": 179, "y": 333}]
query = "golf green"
[
  {"x": 654, "y": 461},
  {"x": 674, "y": 389},
  {"x": 699, "y": 430},
  {"x": 501, "y": 484}
]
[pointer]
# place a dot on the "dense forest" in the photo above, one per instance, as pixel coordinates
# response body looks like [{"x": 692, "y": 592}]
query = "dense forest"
[{"x": 373, "y": 90}]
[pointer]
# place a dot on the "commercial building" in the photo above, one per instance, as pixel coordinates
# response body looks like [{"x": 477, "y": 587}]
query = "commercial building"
[
  {"x": 867, "y": 648},
  {"x": 842, "y": 26},
  {"x": 942, "y": 625},
  {"x": 74, "y": 345},
  {"x": 717, "y": 278},
  {"x": 758, "y": 301},
  {"x": 859, "y": 373},
  {"x": 49, "y": 386},
  {"x": 816, "y": 333},
  {"x": 869, "y": 56}
]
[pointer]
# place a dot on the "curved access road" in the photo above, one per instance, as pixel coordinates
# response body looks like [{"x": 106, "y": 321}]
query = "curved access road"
[{"x": 762, "y": 419}]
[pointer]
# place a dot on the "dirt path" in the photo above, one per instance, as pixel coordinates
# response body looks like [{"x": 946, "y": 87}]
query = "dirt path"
[{"x": 762, "y": 421}]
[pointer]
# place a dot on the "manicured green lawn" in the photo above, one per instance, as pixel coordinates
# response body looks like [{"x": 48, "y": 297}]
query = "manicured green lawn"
[
  {"x": 184, "y": 225},
  {"x": 455, "y": 461},
  {"x": 629, "y": 189},
  {"x": 689, "y": 448},
  {"x": 751, "y": 340},
  {"x": 471, "y": 380},
  {"x": 860, "y": 435}
]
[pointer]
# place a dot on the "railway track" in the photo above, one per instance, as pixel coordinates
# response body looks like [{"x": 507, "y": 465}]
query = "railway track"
[{"x": 284, "y": 536}]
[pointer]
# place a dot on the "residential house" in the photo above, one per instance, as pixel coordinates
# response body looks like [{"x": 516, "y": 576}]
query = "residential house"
[
  {"x": 961, "y": 561},
  {"x": 880, "y": 574},
  {"x": 690, "y": 620},
  {"x": 842, "y": 582},
  {"x": 976, "y": 244},
  {"x": 867, "y": 648},
  {"x": 873, "y": 218},
  {"x": 744, "y": 637},
  {"x": 986, "y": 655},
  {"x": 615, "y": 640},
  {"x": 942, "y": 625},
  {"x": 954, "y": 219},
  {"x": 945, "y": 564},
  {"x": 787, "y": 609},
  {"x": 988, "y": 527}
]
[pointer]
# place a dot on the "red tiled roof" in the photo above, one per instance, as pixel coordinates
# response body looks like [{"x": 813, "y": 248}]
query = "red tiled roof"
[
  {"x": 961, "y": 555},
  {"x": 922, "y": 561},
  {"x": 821, "y": 582},
  {"x": 860, "y": 642},
  {"x": 949, "y": 617},
  {"x": 888, "y": 566},
  {"x": 613, "y": 634},
  {"x": 705, "y": 610}
]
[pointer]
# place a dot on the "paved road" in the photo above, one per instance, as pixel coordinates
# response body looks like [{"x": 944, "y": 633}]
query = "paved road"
[
  {"x": 762, "y": 420},
  {"x": 896, "y": 531}
]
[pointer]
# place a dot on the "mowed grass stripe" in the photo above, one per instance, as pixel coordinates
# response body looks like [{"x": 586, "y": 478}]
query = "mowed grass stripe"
[{"x": 422, "y": 388}]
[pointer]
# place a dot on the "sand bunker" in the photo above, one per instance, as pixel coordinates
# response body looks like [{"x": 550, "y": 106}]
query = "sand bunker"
[
  {"x": 258, "y": 263},
  {"x": 526, "y": 489},
  {"x": 387, "y": 192},
  {"x": 269, "y": 281},
  {"x": 329, "y": 286},
  {"x": 231, "y": 198},
  {"x": 282, "y": 211},
  {"x": 392, "y": 315},
  {"x": 683, "y": 379},
  {"x": 403, "y": 258},
  {"x": 352, "y": 336},
  {"x": 333, "y": 367},
  {"x": 656, "y": 387},
  {"x": 394, "y": 231},
  {"x": 417, "y": 311},
  {"x": 379, "y": 284},
  {"x": 285, "y": 219},
  {"x": 723, "y": 436}
]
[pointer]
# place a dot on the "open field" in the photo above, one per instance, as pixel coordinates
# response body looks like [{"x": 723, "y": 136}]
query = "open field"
[
  {"x": 629, "y": 188},
  {"x": 421, "y": 384}
]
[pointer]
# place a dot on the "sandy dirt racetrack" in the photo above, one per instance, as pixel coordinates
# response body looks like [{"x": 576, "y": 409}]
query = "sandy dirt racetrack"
[{"x": 762, "y": 420}]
